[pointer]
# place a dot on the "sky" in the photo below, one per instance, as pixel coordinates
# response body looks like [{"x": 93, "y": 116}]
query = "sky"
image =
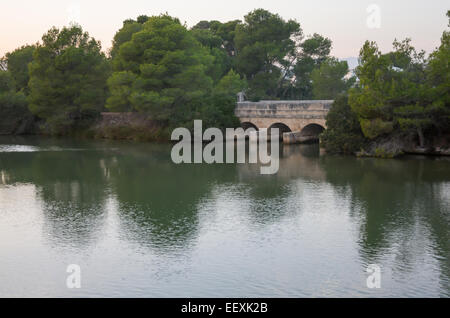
[{"x": 348, "y": 23}]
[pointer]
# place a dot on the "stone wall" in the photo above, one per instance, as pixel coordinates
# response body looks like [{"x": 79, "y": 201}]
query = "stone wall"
[
  {"x": 19, "y": 125},
  {"x": 124, "y": 120},
  {"x": 130, "y": 126}
]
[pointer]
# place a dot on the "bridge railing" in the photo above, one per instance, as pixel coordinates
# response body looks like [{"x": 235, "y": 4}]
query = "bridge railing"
[{"x": 283, "y": 109}]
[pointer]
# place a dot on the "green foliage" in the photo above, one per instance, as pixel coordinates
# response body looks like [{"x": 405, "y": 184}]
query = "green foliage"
[
  {"x": 218, "y": 111},
  {"x": 382, "y": 153},
  {"x": 328, "y": 81},
  {"x": 124, "y": 35},
  {"x": 317, "y": 47},
  {"x": 412, "y": 116},
  {"x": 313, "y": 52},
  {"x": 164, "y": 72},
  {"x": 215, "y": 44},
  {"x": 343, "y": 133},
  {"x": 265, "y": 46},
  {"x": 376, "y": 127},
  {"x": 17, "y": 64},
  {"x": 225, "y": 31},
  {"x": 6, "y": 82},
  {"x": 207, "y": 37},
  {"x": 375, "y": 77},
  {"x": 231, "y": 84},
  {"x": 264, "y": 55},
  {"x": 175, "y": 75},
  {"x": 391, "y": 90},
  {"x": 67, "y": 79},
  {"x": 142, "y": 19},
  {"x": 400, "y": 92},
  {"x": 438, "y": 84},
  {"x": 13, "y": 105},
  {"x": 121, "y": 88}
]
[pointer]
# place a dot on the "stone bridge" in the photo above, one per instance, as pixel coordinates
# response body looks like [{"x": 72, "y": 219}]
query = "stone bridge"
[{"x": 298, "y": 121}]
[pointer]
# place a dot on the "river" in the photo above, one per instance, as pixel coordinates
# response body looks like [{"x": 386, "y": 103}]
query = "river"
[{"x": 138, "y": 225}]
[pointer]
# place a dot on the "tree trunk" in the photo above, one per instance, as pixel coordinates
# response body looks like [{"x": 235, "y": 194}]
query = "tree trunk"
[{"x": 421, "y": 137}]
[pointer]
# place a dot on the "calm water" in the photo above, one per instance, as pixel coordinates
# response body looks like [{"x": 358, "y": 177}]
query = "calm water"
[{"x": 140, "y": 226}]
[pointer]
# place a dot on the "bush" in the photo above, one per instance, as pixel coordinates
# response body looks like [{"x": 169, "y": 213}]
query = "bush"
[
  {"x": 218, "y": 111},
  {"x": 67, "y": 80},
  {"x": 343, "y": 133},
  {"x": 375, "y": 128},
  {"x": 14, "y": 114}
]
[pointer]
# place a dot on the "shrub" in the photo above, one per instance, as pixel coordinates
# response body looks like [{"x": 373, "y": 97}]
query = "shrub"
[{"x": 343, "y": 133}]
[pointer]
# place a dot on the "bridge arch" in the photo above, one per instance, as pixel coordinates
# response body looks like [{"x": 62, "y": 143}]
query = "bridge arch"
[
  {"x": 312, "y": 130},
  {"x": 281, "y": 126},
  {"x": 246, "y": 125}
]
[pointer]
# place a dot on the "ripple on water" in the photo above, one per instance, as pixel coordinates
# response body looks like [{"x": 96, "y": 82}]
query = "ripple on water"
[
  {"x": 18, "y": 148},
  {"x": 28, "y": 148}
]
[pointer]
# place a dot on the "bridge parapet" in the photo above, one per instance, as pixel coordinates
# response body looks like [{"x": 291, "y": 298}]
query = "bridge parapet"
[{"x": 305, "y": 109}]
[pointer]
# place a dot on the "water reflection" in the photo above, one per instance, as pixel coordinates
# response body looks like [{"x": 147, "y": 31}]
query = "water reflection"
[
  {"x": 392, "y": 212},
  {"x": 402, "y": 213}
]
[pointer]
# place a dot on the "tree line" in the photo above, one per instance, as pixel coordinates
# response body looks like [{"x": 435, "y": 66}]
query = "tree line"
[
  {"x": 399, "y": 94},
  {"x": 161, "y": 68},
  {"x": 174, "y": 74}
]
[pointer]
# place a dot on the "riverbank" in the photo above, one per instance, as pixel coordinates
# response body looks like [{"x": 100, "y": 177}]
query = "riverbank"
[
  {"x": 137, "y": 127},
  {"x": 14, "y": 125},
  {"x": 127, "y": 126},
  {"x": 114, "y": 126},
  {"x": 400, "y": 144}
]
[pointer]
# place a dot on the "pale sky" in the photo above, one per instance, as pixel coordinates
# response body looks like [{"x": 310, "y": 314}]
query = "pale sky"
[{"x": 345, "y": 21}]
